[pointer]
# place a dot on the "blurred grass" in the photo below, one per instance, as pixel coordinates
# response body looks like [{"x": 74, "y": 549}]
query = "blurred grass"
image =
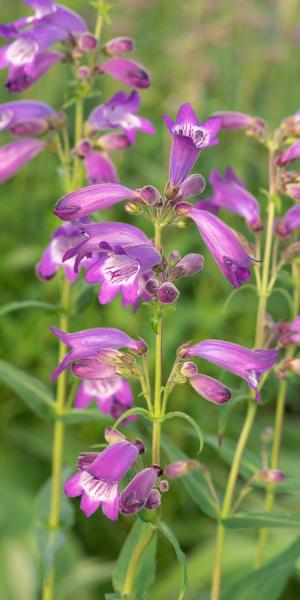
[{"x": 218, "y": 55}]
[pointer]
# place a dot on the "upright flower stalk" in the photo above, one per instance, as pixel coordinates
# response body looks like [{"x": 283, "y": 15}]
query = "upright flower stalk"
[
  {"x": 262, "y": 292},
  {"x": 158, "y": 370}
]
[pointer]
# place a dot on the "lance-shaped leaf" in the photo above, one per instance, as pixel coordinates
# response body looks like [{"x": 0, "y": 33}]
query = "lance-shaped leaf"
[
  {"x": 168, "y": 533},
  {"x": 29, "y": 389},
  {"x": 257, "y": 520}
]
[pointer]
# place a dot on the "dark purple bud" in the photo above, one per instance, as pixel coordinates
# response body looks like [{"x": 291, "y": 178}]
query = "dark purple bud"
[
  {"x": 152, "y": 285},
  {"x": 154, "y": 500},
  {"x": 167, "y": 293},
  {"x": 127, "y": 71},
  {"x": 87, "y": 42},
  {"x": 270, "y": 476},
  {"x": 211, "y": 389},
  {"x": 83, "y": 72},
  {"x": 83, "y": 148},
  {"x": 136, "y": 494},
  {"x": 192, "y": 186},
  {"x": 181, "y": 468},
  {"x": 119, "y": 45},
  {"x": 189, "y": 265},
  {"x": 188, "y": 369},
  {"x": 150, "y": 195},
  {"x": 164, "y": 486}
]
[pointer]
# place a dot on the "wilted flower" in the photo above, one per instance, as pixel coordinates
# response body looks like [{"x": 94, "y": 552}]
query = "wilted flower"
[
  {"x": 245, "y": 363},
  {"x": 190, "y": 137},
  {"x": 99, "y": 477},
  {"x": 136, "y": 494},
  {"x": 222, "y": 243},
  {"x": 230, "y": 193},
  {"x": 127, "y": 71},
  {"x": 89, "y": 343},
  {"x": 120, "y": 112}
]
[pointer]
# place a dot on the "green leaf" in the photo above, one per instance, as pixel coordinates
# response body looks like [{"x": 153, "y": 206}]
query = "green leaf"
[
  {"x": 84, "y": 299},
  {"x": 144, "y": 575},
  {"x": 248, "y": 286},
  {"x": 285, "y": 295},
  {"x": 81, "y": 415},
  {"x": 257, "y": 520},
  {"x": 12, "y": 306},
  {"x": 168, "y": 533},
  {"x": 250, "y": 462},
  {"x": 131, "y": 412},
  {"x": 32, "y": 391},
  {"x": 226, "y": 410},
  {"x": 194, "y": 482},
  {"x": 268, "y": 582},
  {"x": 191, "y": 421}
]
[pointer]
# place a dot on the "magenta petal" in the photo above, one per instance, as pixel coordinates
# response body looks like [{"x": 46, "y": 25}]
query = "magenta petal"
[
  {"x": 184, "y": 155},
  {"x": 211, "y": 389},
  {"x": 136, "y": 494},
  {"x": 83, "y": 397},
  {"x": 73, "y": 486},
  {"x": 16, "y": 154},
  {"x": 100, "y": 169},
  {"x": 289, "y": 155},
  {"x": 89, "y": 199},
  {"x": 114, "y": 462},
  {"x": 127, "y": 71},
  {"x": 111, "y": 509},
  {"x": 89, "y": 505}
]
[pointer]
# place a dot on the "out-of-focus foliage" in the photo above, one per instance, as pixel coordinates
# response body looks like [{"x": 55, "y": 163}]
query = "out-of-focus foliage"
[{"x": 217, "y": 55}]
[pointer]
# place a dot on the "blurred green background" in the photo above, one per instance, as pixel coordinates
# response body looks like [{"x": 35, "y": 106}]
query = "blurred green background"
[{"x": 217, "y": 55}]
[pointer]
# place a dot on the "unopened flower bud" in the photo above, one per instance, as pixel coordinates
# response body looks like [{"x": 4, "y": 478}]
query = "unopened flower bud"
[
  {"x": 266, "y": 435},
  {"x": 87, "y": 42},
  {"x": 113, "y": 435},
  {"x": 188, "y": 369},
  {"x": 173, "y": 258},
  {"x": 132, "y": 208},
  {"x": 182, "y": 223},
  {"x": 182, "y": 208},
  {"x": 119, "y": 45},
  {"x": 164, "y": 486},
  {"x": 152, "y": 285},
  {"x": 154, "y": 500},
  {"x": 150, "y": 195},
  {"x": 189, "y": 265},
  {"x": 83, "y": 72},
  {"x": 113, "y": 141},
  {"x": 167, "y": 293},
  {"x": 83, "y": 148},
  {"x": 181, "y": 468},
  {"x": 270, "y": 476}
]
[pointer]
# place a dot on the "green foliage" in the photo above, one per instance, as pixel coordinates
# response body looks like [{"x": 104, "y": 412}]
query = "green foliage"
[
  {"x": 32, "y": 391},
  {"x": 168, "y": 533},
  {"x": 262, "y": 519}
]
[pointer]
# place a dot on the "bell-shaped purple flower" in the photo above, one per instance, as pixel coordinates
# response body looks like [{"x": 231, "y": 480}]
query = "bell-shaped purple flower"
[
  {"x": 290, "y": 222},
  {"x": 99, "y": 477},
  {"x": 89, "y": 343},
  {"x": 119, "y": 45},
  {"x": 65, "y": 237},
  {"x": 245, "y": 363},
  {"x": 99, "y": 168},
  {"x": 289, "y": 154},
  {"x": 230, "y": 193},
  {"x": 87, "y": 200},
  {"x": 120, "y": 112},
  {"x": 190, "y": 137},
  {"x": 16, "y": 154},
  {"x": 238, "y": 120},
  {"x": 211, "y": 389},
  {"x": 222, "y": 243},
  {"x": 113, "y": 395},
  {"x": 136, "y": 494},
  {"x": 127, "y": 71},
  {"x": 27, "y": 117}
]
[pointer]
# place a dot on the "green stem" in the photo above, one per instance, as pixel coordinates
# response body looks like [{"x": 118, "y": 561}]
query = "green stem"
[
  {"x": 252, "y": 407},
  {"x": 77, "y": 167},
  {"x": 134, "y": 561},
  {"x": 156, "y": 432},
  {"x": 58, "y": 438},
  {"x": 278, "y": 426}
]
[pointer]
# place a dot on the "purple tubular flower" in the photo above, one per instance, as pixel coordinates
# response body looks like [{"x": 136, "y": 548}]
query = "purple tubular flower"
[
  {"x": 190, "y": 137},
  {"x": 289, "y": 155},
  {"x": 113, "y": 396},
  {"x": 65, "y": 237},
  {"x": 100, "y": 169},
  {"x": 222, "y": 243},
  {"x": 127, "y": 71},
  {"x": 22, "y": 77},
  {"x": 237, "y": 120},
  {"x": 48, "y": 15},
  {"x": 290, "y": 222},
  {"x": 89, "y": 199},
  {"x": 136, "y": 494},
  {"x": 99, "y": 477},
  {"x": 120, "y": 112},
  {"x": 119, "y": 45},
  {"x": 88, "y": 343},
  {"x": 16, "y": 154},
  {"x": 125, "y": 254},
  {"x": 211, "y": 389},
  {"x": 245, "y": 363},
  {"x": 31, "y": 115},
  {"x": 231, "y": 193}
]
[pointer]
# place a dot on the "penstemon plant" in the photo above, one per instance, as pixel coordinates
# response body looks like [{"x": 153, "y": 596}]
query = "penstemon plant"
[{"x": 122, "y": 476}]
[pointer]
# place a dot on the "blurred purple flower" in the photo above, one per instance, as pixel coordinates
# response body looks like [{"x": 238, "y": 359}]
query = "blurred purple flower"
[
  {"x": 99, "y": 477},
  {"x": 22, "y": 77},
  {"x": 119, "y": 46},
  {"x": 245, "y": 363},
  {"x": 127, "y": 71},
  {"x": 237, "y": 120},
  {"x": 136, "y": 494},
  {"x": 190, "y": 137},
  {"x": 120, "y": 112},
  {"x": 230, "y": 193},
  {"x": 27, "y": 117},
  {"x": 87, "y": 200},
  {"x": 289, "y": 154},
  {"x": 289, "y": 222},
  {"x": 99, "y": 168},
  {"x": 15, "y": 155}
]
